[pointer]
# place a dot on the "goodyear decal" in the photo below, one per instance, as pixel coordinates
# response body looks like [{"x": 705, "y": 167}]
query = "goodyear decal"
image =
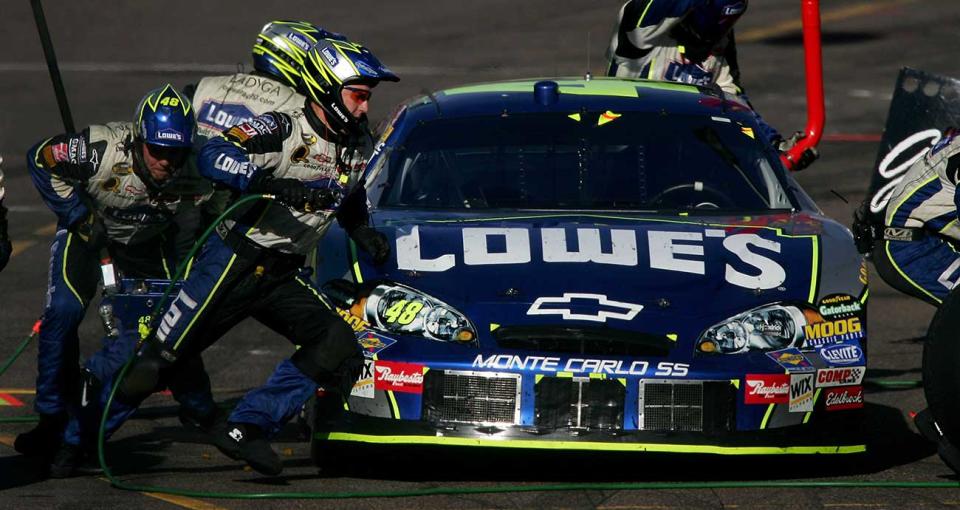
[{"x": 839, "y": 305}]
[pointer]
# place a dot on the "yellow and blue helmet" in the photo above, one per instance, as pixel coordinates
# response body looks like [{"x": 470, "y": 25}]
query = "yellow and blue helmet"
[
  {"x": 281, "y": 48},
  {"x": 333, "y": 63},
  {"x": 164, "y": 117}
]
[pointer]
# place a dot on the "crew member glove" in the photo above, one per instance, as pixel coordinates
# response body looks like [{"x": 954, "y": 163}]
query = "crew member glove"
[
  {"x": 806, "y": 158},
  {"x": 373, "y": 242},
  {"x": 289, "y": 192}
]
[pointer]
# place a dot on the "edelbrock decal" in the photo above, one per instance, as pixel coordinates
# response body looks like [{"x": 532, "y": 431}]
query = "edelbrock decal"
[
  {"x": 603, "y": 307},
  {"x": 668, "y": 251}
]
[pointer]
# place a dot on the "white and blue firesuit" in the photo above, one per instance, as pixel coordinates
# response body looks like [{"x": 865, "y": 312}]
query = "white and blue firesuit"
[
  {"x": 252, "y": 268},
  {"x": 684, "y": 41},
  {"x": 136, "y": 219},
  {"x": 917, "y": 253}
]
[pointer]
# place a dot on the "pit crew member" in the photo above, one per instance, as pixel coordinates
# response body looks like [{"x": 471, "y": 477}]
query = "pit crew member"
[
  {"x": 108, "y": 187},
  {"x": 306, "y": 158}
]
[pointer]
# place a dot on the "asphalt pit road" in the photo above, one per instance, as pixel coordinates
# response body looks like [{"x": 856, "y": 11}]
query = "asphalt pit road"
[{"x": 827, "y": 38}]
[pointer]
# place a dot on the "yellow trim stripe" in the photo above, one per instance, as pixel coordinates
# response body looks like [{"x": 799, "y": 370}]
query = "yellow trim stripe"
[
  {"x": 814, "y": 269},
  {"x": 893, "y": 262},
  {"x": 393, "y": 404},
  {"x": 816, "y": 396},
  {"x": 210, "y": 295},
  {"x": 314, "y": 292},
  {"x": 766, "y": 416},
  {"x": 63, "y": 269},
  {"x": 595, "y": 445},
  {"x": 644, "y": 13}
]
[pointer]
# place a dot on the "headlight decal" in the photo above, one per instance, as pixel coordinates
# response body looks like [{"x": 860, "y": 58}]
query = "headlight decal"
[{"x": 402, "y": 310}]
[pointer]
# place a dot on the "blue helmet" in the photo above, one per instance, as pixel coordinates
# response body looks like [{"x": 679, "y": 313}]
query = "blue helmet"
[
  {"x": 164, "y": 117},
  {"x": 331, "y": 64},
  {"x": 282, "y": 46},
  {"x": 711, "y": 20}
]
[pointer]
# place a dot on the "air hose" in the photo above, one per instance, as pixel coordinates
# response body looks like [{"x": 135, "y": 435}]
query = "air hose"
[{"x": 435, "y": 491}]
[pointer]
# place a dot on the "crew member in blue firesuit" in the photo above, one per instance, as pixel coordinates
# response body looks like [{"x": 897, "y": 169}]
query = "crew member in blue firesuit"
[
  {"x": 307, "y": 159},
  {"x": 110, "y": 188},
  {"x": 915, "y": 250},
  {"x": 688, "y": 41}
]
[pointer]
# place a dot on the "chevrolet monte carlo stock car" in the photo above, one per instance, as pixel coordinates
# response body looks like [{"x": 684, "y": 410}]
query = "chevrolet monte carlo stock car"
[{"x": 595, "y": 264}]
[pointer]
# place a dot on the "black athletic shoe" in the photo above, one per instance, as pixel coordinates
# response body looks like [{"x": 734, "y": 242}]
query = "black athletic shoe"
[
  {"x": 66, "y": 461},
  {"x": 244, "y": 441},
  {"x": 44, "y": 439},
  {"x": 209, "y": 423},
  {"x": 927, "y": 427}
]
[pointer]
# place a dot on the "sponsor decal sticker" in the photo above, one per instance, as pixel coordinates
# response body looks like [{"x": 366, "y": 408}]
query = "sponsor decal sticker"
[
  {"x": 791, "y": 359},
  {"x": 169, "y": 134},
  {"x": 801, "y": 393},
  {"x": 580, "y": 365},
  {"x": 373, "y": 343},
  {"x": 357, "y": 323},
  {"x": 766, "y": 389},
  {"x": 842, "y": 354},
  {"x": 829, "y": 377},
  {"x": 839, "y": 305},
  {"x": 330, "y": 56},
  {"x": 221, "y": 116},
  {"x": 238, "y": 133},
  {"x": 110, "y": 185},
  {"x": 122, "y": 168},
  {"x": 847, "y": 397},
  {"x": 363, "y": 388},
  {"x": 60, "y": 152},
  {"x": 7, "y": 399},
  {"x": 365, "y": 68},
  {"x": 299, "y": 41},
  {"x": 396, "y": 376},
  {"x": 832, "y": 332}
]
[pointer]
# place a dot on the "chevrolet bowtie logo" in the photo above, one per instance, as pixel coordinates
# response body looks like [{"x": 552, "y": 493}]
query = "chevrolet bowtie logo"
[{"x": 601, "y": 307}]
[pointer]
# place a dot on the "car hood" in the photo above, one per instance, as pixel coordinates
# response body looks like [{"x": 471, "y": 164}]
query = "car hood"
[{"x": 660, "y": 275}]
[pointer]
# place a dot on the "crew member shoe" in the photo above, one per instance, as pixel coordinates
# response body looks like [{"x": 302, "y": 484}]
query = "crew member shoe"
[
  {"x": 44, "y": 439},
  {"x": 66, "y": 461},
  {"x": 926, "y": 426},
  {"x": 949, "y": 454},
  {"x": 244, "y": 441}
]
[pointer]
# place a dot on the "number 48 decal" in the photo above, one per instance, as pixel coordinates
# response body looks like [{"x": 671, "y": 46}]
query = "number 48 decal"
[{"x": 403, "y": 312}]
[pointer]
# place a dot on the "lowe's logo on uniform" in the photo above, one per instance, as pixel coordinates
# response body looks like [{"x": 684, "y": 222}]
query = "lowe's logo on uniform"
[
  {"x": 682, "y": 252},
  {"x": 842, "y": 354},
  {"x": 221, "y": 116}
]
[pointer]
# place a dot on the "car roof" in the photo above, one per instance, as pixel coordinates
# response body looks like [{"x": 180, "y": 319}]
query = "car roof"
[{"x": 575, "y": 94}]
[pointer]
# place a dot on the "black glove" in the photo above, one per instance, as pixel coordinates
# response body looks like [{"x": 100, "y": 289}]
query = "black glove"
[
  {"x": 289, "y": 192},
  {"x": 92, "y": 231},
  {"x": 373, "y": 242},
  {"x": 865, "y": 232},
  {"x": 78, "y": 172},
  {"x": 321, "y": 199},
  {"x": 806, "y": 158}
]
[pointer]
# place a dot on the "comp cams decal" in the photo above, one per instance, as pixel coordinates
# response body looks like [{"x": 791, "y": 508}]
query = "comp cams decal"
[
  {"x": 684, "y": 252},
  {"x": 829, "y": 377},
  {"x": 580, "y": 365}
]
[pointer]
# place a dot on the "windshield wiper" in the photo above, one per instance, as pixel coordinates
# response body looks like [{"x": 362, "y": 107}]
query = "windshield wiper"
[{"x": 711, "y": 139}]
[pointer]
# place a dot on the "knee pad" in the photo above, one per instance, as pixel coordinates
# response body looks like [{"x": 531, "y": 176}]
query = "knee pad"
[
  {"x": 142, "y": 378},
  {"x": 335, "y": 361}
]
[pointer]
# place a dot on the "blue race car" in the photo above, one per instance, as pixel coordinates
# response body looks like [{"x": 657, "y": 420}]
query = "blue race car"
[{"x": 596, "y": 265}]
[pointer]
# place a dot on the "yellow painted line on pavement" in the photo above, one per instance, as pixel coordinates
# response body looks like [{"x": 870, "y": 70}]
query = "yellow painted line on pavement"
[
  {"x": 840, "y": 14},
  {"x": 181, "y": 501},
  {"x": 20, "y": 247},
  {"x": 47, "y": 230},
  {"x": 19, "y": 391}
]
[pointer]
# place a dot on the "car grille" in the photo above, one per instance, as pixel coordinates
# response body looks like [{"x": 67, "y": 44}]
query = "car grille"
[
  {"x": 471, "y": 397},
  {"x": 583, "y": 340},
  {"x": 579, "y": 403},
  {"x": 686, "y": 406}
]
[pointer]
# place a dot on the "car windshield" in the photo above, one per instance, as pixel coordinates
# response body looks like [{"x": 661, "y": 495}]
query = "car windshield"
[{"x": 582, "y": 161}]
